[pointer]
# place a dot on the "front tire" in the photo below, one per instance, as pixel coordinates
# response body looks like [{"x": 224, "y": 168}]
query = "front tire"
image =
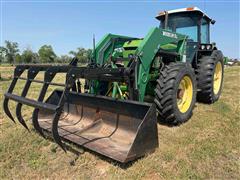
[{"x": 175, "y": 93}]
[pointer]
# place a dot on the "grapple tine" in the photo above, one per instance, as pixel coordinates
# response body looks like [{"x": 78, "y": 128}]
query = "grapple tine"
[
  {"x": 48, "y": 76},
  {"x": 32, "y": 72},
  {"x": 19, "y": 106},
  {"x": 55, "y": 133},
  {"x": 36, "y": 110},
  {"x": 69, "y": 83},
  {"x": 6, "y": 109},
  {"x": 17, "y": 72},
  {"x": 56, "y": 118},
  {"x": 36, "y": 123},
  {"x": 6, "y": 100},
  {"x": 19, "y": 115}
]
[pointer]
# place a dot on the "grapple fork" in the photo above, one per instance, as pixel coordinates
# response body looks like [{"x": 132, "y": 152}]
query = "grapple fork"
[
  {"x": 33, "y": 70},
  {"x": 120, "y": 129}
]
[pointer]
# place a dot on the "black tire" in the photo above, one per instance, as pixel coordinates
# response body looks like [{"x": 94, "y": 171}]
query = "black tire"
[
  {"x": 166, "y": 93},
  {"x": 206, "y": 66}
]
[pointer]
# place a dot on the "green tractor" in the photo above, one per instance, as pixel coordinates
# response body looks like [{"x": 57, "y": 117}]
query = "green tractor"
[{"x": 130, "y": 83}]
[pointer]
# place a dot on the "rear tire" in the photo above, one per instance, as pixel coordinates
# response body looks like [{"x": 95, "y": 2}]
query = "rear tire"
[
  {"x": 209, "y": 85},
  {"x": 168, "y": 103}
]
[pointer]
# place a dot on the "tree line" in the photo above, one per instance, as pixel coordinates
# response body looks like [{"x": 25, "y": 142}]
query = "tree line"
[{"x": 10, "y": 53}]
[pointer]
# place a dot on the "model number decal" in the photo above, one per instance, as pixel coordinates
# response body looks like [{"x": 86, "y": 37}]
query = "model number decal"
[{"x": 168, "y": 34}]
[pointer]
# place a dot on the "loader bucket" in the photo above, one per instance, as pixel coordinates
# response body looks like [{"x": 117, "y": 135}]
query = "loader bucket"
[{"x": 121, "y": 130}]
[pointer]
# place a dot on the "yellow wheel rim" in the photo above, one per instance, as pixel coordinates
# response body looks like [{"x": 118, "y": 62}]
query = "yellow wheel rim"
[
  {"x": 217, "y": 78},
  {"x": 185, "y": 94}
]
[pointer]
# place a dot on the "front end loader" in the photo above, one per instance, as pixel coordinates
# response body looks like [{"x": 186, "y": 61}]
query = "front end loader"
[{"x": 130, "y": 83}]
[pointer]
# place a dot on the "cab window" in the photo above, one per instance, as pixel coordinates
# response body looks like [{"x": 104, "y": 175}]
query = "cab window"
[{"x": 204, "y": 31}]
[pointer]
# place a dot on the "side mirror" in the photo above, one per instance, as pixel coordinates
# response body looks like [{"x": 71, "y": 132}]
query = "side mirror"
[{"x": 213, "y": 21}]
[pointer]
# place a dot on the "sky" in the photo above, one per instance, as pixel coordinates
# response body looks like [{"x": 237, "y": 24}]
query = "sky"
[{"x": 67, "y": 25}]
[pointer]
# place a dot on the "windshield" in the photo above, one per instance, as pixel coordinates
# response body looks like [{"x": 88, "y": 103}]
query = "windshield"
[{"x": 184, "y": 24}]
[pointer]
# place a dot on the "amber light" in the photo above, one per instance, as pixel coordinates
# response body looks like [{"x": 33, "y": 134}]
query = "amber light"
[{"x": 190, "y": 8}]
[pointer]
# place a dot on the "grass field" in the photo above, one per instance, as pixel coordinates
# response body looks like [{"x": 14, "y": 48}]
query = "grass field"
[{"x": 206, "y": 147}]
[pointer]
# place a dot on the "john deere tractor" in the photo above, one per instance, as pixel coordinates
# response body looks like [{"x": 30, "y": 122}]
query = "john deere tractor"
[{"x": 129, "y": 84}]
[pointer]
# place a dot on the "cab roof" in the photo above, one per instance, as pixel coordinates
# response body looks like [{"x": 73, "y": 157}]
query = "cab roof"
[{"x": 175, "y": 11}]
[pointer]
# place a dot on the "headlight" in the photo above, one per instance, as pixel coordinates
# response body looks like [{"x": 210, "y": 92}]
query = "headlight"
[
  {"x": 119, "y": 50},
  {"x": 202, "y": 47},
  {"x": 209, "y": 47},
  {"x": 130, "y": 56}
]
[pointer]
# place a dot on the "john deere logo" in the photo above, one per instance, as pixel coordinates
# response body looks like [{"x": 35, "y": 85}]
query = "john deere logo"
[{"x": 168, "y": 34}]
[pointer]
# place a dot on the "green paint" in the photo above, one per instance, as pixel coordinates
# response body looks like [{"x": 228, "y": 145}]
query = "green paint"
[{"x": 120, "y": 49}]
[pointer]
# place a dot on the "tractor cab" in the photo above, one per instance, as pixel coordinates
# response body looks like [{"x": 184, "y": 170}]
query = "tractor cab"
[
  {"x": 191, "y": 22},
  {"x": 188, "y": 21}
]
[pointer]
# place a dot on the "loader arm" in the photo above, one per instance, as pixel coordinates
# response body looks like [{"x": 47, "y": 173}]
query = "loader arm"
[
  {"x": 106, "y": 45},
  {"x": 157, "y": 42},
  {"x": 150, "y": 47}
]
